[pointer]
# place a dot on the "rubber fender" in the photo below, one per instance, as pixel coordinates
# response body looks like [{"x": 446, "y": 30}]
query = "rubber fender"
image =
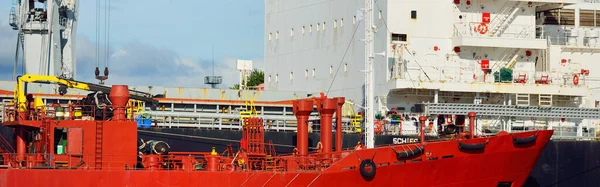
[
  {"x": 409, "y": 154},
  {"x": 526, "y": 140},
  {"x": 363, "y": 168},
  {"x": 475, "y": 146}
]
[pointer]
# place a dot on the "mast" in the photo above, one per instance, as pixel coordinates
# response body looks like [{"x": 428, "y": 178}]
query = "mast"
[{"x": 369, "y": 116}]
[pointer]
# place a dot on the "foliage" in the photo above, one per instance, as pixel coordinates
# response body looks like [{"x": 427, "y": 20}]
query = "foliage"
[{"x": 256, "y": 77}]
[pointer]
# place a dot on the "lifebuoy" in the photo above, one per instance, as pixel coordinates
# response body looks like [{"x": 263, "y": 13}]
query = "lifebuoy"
[
  {"x": 363, "y": 168},
  {"x": 482, "y": 28},
  {"x": 378, "y": 127},
  {"x": 575, "y": 79}
]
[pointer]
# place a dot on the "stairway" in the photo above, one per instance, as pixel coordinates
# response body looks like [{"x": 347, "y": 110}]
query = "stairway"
[
  {"x": 502, "y": 20},
  {"x": 508, "y": 61},
  {"x": 98, "y": 155}
]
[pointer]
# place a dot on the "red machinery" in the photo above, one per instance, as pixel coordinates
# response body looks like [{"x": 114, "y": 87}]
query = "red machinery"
[{"x": 104, "y": 153}]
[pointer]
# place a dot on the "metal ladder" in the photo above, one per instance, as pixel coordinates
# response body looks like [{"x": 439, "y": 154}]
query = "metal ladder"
[
  {"x": 501, "y": 20},
  {"x": 507, "y": 60},
  {"x": 98, "y": 156}
]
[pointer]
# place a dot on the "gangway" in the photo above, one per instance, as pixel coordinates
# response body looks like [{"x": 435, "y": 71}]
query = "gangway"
[{"x": 511, "y": 111}]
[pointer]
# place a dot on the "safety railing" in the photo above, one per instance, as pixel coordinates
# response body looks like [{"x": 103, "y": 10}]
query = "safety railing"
[
  {"x": 476, "y": 75},
  {"x": 479, "y": 29},
  {"x": 64, "y": 112},
  {"x": 231, "y": 121}
]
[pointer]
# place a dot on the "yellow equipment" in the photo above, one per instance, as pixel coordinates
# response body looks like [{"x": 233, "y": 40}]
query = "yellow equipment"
[
  {"x": 21, "y": 89},
  {"x": 250, "y": 109}
]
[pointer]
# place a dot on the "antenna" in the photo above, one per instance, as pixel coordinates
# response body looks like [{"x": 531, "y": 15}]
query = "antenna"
[{"x": 213, "y": 80}]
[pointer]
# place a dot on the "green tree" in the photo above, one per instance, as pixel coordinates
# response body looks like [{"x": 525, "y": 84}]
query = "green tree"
[{"x": 256, "y": 77}]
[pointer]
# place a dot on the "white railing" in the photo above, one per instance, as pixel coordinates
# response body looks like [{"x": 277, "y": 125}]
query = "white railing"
[
  {"x": 476, "y": 75},
  {"x": 588, "y": 1},
  {"x": 513, "y": 31}
]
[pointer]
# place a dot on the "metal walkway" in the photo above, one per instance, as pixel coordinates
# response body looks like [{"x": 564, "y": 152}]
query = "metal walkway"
[{"x": 511, "y": 111}]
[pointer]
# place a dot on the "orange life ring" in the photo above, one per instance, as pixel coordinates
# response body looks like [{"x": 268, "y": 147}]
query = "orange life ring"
[
  {"x": 378, "y": 127},
  {"x": 576, "y": 79},
  {"x": 482, "y": 28}
]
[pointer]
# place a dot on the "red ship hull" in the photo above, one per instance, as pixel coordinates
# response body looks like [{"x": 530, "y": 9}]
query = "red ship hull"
[{"x": 500, "y": 161}]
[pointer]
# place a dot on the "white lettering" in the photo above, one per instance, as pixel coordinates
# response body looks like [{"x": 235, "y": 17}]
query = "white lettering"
[{"x": 404, "y": 140}]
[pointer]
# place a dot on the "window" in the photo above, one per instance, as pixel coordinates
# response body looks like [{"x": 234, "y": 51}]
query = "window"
[
  {"x": 269, "y": 78},
  {"x": 413, "y": 14},
  {"x": 276, "y": 77},
  {"x": 310, "y": 28},
  {"x": 314, "y": 72},
  {"x": 323, "y": 25},
  {"x": 331, "y": 70},
  {"x": 318, "y": 27},
  {"x": 306, "y": 74},
  {"x": 354, "y": 20},
  {"x": 277, "y": 35},
  {"x": 380, "y": 14},
  {"x": 342, "y": 22},
  {"x": 398, "y": 37},
  {"x": 270, "y": 36},
  {"x": 291, "y": 75},
  {"x": 346, "y": 67},
  {"x": 303, "y": 28},
  {"x": 292, "y": 32},
  {"x": 335, "y": 24}
]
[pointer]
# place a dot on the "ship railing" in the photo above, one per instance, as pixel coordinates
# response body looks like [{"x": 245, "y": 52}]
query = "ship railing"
[
  {"x": 226, "y": 121},
  {"x": 472, "y": 29},
  {"x": 560, "y": 131},
  {"x": 476, "y": 75},
  {"x": 63, "y": 112}
]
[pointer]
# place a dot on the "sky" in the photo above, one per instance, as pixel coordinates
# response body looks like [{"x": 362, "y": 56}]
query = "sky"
[{"x": 160, "y": 43}]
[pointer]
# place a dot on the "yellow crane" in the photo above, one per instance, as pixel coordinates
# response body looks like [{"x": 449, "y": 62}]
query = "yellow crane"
[{"x": 21, "y": 89}]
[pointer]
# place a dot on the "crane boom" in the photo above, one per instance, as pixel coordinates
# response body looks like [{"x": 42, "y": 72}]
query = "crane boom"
[{"x": 21, "y": 91}]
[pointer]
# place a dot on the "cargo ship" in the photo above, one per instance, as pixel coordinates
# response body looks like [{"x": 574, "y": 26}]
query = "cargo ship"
[
  {"x": 79, "y": 144},
  {"x": 520, "y": 65}
]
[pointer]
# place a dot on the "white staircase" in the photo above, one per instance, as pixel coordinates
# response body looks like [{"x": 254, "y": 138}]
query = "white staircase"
[
  {"x": 502, "y": 20},
  {"x": 508, "y": 60}
]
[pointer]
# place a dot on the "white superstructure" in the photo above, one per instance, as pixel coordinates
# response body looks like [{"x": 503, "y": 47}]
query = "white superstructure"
[{"x": 442, "y": 51}]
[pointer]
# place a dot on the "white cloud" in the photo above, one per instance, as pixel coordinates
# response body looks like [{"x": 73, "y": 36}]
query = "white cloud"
[
  {"x": 135, "y": 63},
  {"x": 141, "y": 64}
]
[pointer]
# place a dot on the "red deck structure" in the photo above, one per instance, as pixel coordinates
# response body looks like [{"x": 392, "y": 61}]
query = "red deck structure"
[{"x": 104, "y": 152}]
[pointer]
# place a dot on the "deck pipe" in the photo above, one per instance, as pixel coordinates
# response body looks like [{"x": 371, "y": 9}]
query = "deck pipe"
[
  {"x": 21, "y": 144},
  {"x": 119, "y": 96},
  {"x": 471, "y": 124},
  {"x": 326, "y": 108},
  {"x": 338, "y": 123},
  {"x": 422, "y": 120},
  {"x": 302, "y": 109}
]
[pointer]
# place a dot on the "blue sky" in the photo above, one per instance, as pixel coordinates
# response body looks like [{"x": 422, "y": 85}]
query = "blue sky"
[{"x": 164, "y": 42}]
